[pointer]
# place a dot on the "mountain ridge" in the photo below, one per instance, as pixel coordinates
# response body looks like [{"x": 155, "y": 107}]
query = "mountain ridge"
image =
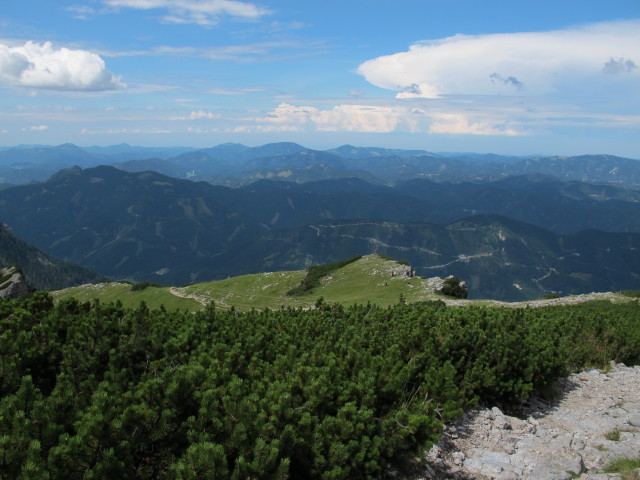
[
  {"x": 231, "y": 164},
  {"x": 150, "y": 227},
  {"x": 41, "y": 270}
]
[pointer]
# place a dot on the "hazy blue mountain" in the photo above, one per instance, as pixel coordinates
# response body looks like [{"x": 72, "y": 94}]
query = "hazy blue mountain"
[
  {"x": 314, "y": 172},
  {"x": 484, "y": 157},
  {"x": 124, "y": 152},
  {"x": 165, "y": 167},
  {"x": 234, "y": 164},
  {"x": 562, "y": 207},
  {"x": 237, "y": 154},
  {"x": 36, "y": 163},
  {"x": 129, "y": 224},
  {"x": 349, "y": 151},
  {"x": 147, "y": 226}
]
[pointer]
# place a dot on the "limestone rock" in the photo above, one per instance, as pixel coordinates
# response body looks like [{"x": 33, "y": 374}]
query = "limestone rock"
[
  {"x": 570, "y": 437},
  {"x": 12, "y": 283}
]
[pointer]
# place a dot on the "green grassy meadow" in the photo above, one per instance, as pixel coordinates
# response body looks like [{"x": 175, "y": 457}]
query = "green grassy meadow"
[{"x": 367, "y": 280}]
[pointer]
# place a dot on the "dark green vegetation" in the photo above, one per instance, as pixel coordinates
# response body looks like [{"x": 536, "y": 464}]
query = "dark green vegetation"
[
  {"x": 453, "y": 288},
  {"x": 136, "y": 287},
  {"x": 316, "y": 272},
  {"x": 100, "y": 391},
  {"x": 631, "y": 293},
  {"x": 42, "y": 271},
  {"x": 149, "y": 227}
]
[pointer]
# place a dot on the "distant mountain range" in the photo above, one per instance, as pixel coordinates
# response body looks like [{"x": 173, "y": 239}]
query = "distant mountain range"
[
  {"x": 513, "y": 238},
  {"x": 236, "y": 165}
]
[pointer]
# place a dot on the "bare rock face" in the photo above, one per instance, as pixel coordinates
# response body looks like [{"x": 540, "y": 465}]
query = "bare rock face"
[
  {"x": 12, "y": 283},
  {"x": 594, "y": 419}
]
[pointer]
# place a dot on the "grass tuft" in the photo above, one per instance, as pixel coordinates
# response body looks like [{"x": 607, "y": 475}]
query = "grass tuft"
[
  {"x": 613, "y": 435},
  {"x": 625, "y": 466}
]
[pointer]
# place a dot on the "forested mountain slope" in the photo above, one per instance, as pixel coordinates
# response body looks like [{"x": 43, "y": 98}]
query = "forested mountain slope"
[
  {"x": 41, "y": 270},
  {"x": 146, "y": 226}
]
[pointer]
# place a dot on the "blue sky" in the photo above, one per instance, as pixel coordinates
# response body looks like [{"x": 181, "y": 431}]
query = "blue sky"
[{"x": 543, "y": 77}]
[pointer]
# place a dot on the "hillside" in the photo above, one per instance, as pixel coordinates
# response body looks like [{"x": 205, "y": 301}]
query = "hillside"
[
  {"x": 371, "y": 279},
  {"x": 41, "y": 270},
  {"x": 367, "y": 280}
]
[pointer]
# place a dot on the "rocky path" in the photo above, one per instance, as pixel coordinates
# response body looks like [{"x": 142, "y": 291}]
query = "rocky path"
[
  {"x": 179, "y": 292},
  {"x": 595, "y": 418}
]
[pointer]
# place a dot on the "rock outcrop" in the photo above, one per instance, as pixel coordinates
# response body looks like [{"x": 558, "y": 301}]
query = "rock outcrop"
[
  {"x": 594, "y": 419},
  {"x": 12, "y": 283}
]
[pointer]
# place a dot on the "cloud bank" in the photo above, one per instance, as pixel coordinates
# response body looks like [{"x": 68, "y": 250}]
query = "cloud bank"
[
  {"x": 200, "y": 12},
  {"x": 42, "y": 66},
  {"x": 379, "y": 119},
  {"x": 537, "y": 63}
]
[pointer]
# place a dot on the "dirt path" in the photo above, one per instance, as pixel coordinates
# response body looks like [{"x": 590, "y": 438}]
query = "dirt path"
[{"x": 178, "y": 292}]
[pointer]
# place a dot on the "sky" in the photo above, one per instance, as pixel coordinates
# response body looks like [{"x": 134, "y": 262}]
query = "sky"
[{"x": 519, "y": 78}]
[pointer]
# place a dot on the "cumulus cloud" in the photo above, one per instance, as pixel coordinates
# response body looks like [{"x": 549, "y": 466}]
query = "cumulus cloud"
[
  {"x": 42, "y": 66},
  {"x": 459, "y": 124},
  {"x": 536, "y": 63},
  {"x": 348, "y": 118},
  {"x": 201, "y": 12},
  {"x": 377, "y": 119},
  {"x": 36, "y": 128}
]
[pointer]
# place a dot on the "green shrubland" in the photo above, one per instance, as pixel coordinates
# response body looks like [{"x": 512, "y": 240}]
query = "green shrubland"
[
  {"x": 90, "y": 390},
  {"x": 315, "y": 274}
]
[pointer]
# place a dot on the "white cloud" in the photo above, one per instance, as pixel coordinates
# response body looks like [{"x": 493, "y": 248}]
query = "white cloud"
[
  {"x": 201, "y": 12},
  {"x": 199, "y": 115},
  {"x": 459, "y": 124},
  {"x": 42, "y": 66},
  {"x": 536, "y": 63},
  {"x": 36, "y": 128},
  {"x": 81, "y": 12},
  {"x": 379, "y": 119},
  {"x": 349, "y": 118},
  {"x": 251, "y": 52}
]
